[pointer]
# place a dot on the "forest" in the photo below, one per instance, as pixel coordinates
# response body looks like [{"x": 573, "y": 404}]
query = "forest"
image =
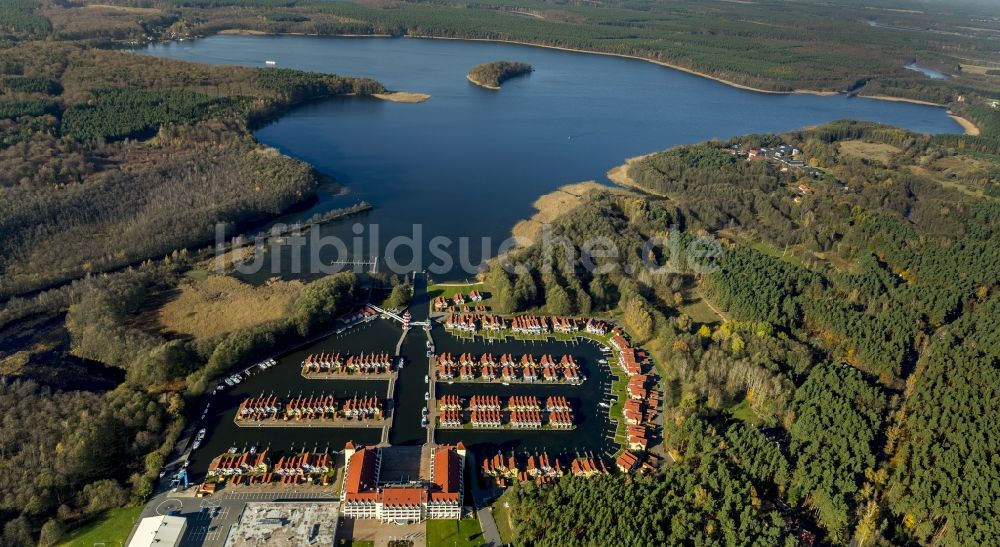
[
  {"x": 113, "y": 167},
  {"x": 776, "y": 46},
  {"x": 114, "y": 175},
  {"x": 833, "y": 378},
  {"x": 71, "y": 450},
  {"x": 492, "y": 75},
  {"x": 855, "y": 340}
]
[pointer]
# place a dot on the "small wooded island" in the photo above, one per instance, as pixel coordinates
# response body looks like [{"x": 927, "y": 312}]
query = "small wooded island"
[{"x": 491, "y": 75}]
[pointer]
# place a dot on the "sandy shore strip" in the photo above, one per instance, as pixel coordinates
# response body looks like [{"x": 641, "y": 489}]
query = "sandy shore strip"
[
  {"x": 552, "y": 206},
  {"x": 901, "y": 100},
  {"x": 402, "y": 97},
  {"x": 480, "y": 84},
  {"x": 252, "y": 32},
  {"x": 969, "y": 127},
  {"x": 619, "y": 175},
  {"x": 242, "y": 32}
]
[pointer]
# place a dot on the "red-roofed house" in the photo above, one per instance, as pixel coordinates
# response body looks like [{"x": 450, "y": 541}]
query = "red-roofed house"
[{"x": 627, "y": 461}]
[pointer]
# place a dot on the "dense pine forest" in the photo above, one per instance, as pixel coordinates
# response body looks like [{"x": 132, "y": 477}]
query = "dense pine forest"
[
  {"x": 846, "y": 390},
  {"x": 833, "y": 378}
]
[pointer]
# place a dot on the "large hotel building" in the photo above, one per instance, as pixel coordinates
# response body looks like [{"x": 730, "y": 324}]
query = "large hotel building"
[{"x": 365, "y": 497}]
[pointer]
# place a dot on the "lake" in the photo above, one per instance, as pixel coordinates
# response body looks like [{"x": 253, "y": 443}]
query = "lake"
[{"x": 470, "y": 162}]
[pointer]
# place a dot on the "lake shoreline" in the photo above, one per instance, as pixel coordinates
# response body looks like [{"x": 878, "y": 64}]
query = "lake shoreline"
[
  {"x": 968, "y": 127},
  {"x": 480, "y": 84},
  {"x": 549, "y": 207},
  {"x": 635, "y": 58},
  {"x": 819, "y": 92},
  {"x": 619, "y": 174}
]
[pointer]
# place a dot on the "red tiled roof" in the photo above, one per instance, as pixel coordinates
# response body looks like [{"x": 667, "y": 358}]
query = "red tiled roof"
[
  {"x": 446, "y": 469},
  {"x": 627, "y": 460},
  {"x": 406, "y": 496},
  {"x": 444, "y": 496},
  {"x": 361, "y": 472}
]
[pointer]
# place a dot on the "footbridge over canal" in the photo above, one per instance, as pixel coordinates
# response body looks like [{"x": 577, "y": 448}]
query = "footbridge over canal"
[{"x": 418, "y": 313}]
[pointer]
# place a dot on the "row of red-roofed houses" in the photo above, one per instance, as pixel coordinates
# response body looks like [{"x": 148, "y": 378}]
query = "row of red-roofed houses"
[
  {"x": 594, "y": 326},
  {"x": 553, "y": 403},
  {"x": 525, "y": 419},
  {"x": 450, "y": 402},
  {"x": 484, "y": 417},
  {"x": 508, "y": 368},
  {"x": 485, "y": 402},
  {"x": 640, "y": 408},
  {"x": 335, "y": 363},
  {"x": 523, "y": 324},
  {"x": 321, "y": 407},
  {"x": 487, "y": 320},
  {"x": 242, "y": 463},
  {"x": 255, "y": 468},
  {"x": 636, "y": 412},
  {"x": 638, "y": 437},
  {"x": 539, "y": 468},
  {"x": 529, "y": 324},
  {"x": 640, "y": 387},
  {"x": 307, "y": 463},
  {"x": 627, "y": 461},
  {"x": 259, "y": 408},
  {"x": 462, "y": 323}
]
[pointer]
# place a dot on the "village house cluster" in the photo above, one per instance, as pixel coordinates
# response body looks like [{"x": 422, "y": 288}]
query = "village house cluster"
[
  {"x": 312, "y": 408},
  {"x": 507, "y": 368},
  {"x": 442, "y": 303},
  {"x": 517, "y": 412},
  {"x": 785, "y": 155},
  {"x": 320, "y": 364},
  {"x": 251, "y": 467},
  {"x": 539, "y": 468},
  {"x": 364, "y": 313},
  {"x": 366, "y": 496}
]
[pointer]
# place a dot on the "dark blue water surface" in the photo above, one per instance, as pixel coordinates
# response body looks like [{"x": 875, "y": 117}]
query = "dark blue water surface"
[{"x": 470, "y": 161}]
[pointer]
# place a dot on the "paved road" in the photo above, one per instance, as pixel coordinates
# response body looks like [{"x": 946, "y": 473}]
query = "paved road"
[
  {"x": 490, "y": 533},
  {"x": 481, "y": 499}
]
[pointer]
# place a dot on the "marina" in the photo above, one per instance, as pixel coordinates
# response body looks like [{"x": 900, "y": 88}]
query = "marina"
[{"x": 527, "y": 395}]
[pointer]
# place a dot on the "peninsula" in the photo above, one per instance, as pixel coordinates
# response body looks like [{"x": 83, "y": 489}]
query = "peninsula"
[{"x": 492, "y": 75}]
